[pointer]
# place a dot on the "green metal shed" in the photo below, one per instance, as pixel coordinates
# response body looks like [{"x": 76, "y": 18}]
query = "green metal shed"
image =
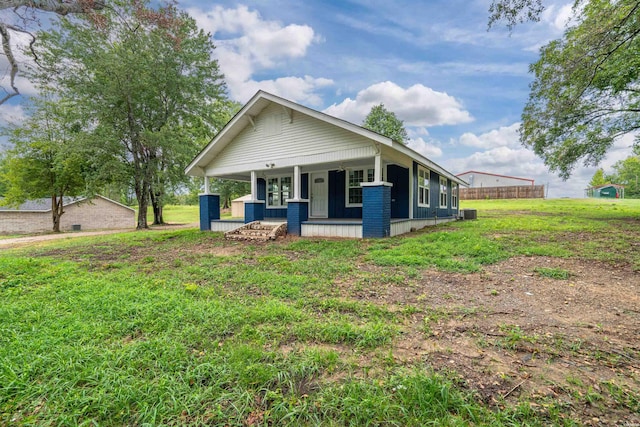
[{"x": 607, "y": 191}]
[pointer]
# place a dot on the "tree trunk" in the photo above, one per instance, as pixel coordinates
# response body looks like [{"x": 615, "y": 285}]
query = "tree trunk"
[
  {"x": 56, "y": 212},
  {"x": 156, "y": 203},
  {"x": 142, "y": 194}
]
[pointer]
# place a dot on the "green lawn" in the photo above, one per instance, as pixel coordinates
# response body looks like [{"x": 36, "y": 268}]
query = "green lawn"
[
  {"x": 177, "y": 214},
  {"x": 185, "y": 328},
  {"x": 182, "y": 214}
]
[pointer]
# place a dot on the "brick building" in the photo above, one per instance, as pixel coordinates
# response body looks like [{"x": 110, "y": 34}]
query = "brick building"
[{"x": 98, "y": 213}]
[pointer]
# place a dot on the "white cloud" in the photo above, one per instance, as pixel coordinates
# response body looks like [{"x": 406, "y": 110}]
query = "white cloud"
[
  {"x": 421, "y": 141},
  {"x": 506, "y": 136},
  {"x": 501, "y": 153},
  {"x": 558, "y": 16},
  {"x": 11, "y": 114},
  {"x": 293, "y": 88},
  {"x": 246, "y": 44},
  {"x": 417, "y": 105},
  {"x": 430, "y": 150}
]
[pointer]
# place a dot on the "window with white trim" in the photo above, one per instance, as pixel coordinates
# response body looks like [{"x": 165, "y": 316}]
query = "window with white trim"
[
  {"x": 354, "y": 190},
  {"x": 278, "y": 191},
  {"x": 423, "y": 187},
  {"x": 454, "y": 195},
  {"x": 443, "y": 192}
]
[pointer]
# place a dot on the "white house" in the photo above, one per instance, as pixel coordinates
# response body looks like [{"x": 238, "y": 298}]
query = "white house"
[{"x": 322, "y": 175}]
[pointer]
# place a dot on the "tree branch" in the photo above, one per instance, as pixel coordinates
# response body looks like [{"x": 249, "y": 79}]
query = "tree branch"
[
  {"x": 61, "y": 7},
  {"x": 6, "y": 47},
  {"x": 57, "y": 6}
]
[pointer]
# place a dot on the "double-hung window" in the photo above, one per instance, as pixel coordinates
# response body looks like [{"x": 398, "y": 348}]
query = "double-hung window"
[
  {"x": 354, "y": 190},
  {"x": 443, "y": 192},
  {"x": 278, "y": 191},
  {"x": 423, "y": 187},
  {"x": 454, "y": 195}
]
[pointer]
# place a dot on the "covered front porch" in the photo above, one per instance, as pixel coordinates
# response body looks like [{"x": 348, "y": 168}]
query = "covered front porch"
[{"x": 343, "y": 199}]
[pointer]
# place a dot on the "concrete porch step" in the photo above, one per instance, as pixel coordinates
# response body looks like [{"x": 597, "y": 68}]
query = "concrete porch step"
[{"x": 257, "y": 231}]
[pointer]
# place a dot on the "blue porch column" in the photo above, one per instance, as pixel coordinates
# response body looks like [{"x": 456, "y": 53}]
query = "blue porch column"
[
  {"x": 297, "y": 213},
  {"x": 209, "y": 210},
  {"x": 253, "y": 210},
  {"x": 376, "y": 209}
]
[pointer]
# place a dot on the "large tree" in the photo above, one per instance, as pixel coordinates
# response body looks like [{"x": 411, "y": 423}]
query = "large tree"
[
  {"x": 48, "y": 158},
  {"x": 22, "y": 10},
  {"x": 145, "y": 80},
  {"x": 627, "y": 173},
  {"x": 586, "y": 90},
  {"x": 386, "y": 123}
]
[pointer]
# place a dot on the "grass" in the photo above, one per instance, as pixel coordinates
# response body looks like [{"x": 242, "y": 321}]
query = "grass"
[
  {"x": 177, "y": 214},
  {"x": 553, "y": 273},
  {"x": 182, "y": 328}
]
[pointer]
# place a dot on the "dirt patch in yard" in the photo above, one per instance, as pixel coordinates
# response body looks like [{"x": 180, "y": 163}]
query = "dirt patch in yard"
[{"x": 511, "y": 332}]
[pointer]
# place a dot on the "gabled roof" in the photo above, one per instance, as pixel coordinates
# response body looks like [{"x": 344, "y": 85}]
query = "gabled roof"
[
  {"x": 598, "y": 187},
  {"x": 495, "y": 174},
  {"x": 262, "y": 99},
  {"x": 44, "y": 204}
]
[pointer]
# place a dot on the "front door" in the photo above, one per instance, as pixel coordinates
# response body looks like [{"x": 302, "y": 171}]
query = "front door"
[{"x": 319, "y": 187}]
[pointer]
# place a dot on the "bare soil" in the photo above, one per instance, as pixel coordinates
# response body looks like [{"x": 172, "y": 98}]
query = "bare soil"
[{"x": 509, "y": 333}]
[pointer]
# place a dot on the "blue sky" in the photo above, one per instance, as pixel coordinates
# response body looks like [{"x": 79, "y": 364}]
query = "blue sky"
[{"x": 459, "y": 88}]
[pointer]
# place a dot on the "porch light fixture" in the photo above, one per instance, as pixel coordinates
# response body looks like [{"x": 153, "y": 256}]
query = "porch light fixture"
[{"x": 270, "y": 165}]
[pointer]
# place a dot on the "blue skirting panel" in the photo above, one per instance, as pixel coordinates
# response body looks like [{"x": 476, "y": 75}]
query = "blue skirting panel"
[
  {"x": 253, "y": 211},
  {"x": 297, "y": 213},
  {"x": 209, "y": 210}
]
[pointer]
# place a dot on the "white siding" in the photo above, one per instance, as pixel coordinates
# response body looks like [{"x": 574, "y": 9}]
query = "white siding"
[
  {"x": 332, "y": 230},
  {"x": 225, "y": 225},
  {"x": 304, "y": 136},
  {"x": 402, "y": 227}
]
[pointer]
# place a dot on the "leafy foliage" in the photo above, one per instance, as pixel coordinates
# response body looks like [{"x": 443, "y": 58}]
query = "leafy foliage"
[
  {"x": 229, "y": 190},
  {"x": 514, "y": 12},
  {"x": 386, "y": 123},
  {"x": 146, "y": 82},
  {"x": 627, "y": 173},
  {"x": 49, "y": 158},
  {"x": 585, "y": 95},
  {"x": 598, "y": 178}
]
